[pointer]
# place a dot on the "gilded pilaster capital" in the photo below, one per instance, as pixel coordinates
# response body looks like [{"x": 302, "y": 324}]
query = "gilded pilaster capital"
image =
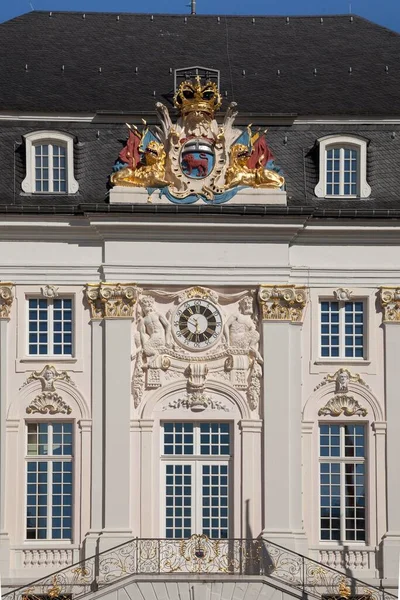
[
  {"x": 390, "y": 301},
  {"x": 111, "y": 300},
  {"x": 6, "y": 299},
  {"x": 282, "y": 302}
]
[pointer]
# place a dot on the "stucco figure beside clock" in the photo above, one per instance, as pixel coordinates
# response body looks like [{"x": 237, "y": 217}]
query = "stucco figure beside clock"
[{"x": 197, "y": 324}]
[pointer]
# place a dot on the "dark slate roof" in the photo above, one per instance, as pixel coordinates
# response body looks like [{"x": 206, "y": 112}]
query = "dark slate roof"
[
  {"x": 97, "y": 146},
  {"x": 357, "y": 62}
]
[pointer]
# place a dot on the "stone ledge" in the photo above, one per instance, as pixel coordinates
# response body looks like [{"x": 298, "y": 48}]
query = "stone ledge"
[{"x": 254, "y": 196}]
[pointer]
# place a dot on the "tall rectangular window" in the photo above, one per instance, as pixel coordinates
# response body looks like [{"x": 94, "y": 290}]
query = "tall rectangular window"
[
  {"x": 342, "y": 171},
  {"x": 342, "y": 329},
  {"x": 50, "y": 168},
  {"x": 196, "y": 458},
  {"x": 49, "y": 481},
  {"x": 342, "y": 459},
  {"x": 50, "y": 326}
]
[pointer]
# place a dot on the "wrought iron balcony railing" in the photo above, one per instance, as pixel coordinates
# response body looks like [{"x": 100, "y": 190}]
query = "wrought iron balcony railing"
[{"x": 199, "y": 555}]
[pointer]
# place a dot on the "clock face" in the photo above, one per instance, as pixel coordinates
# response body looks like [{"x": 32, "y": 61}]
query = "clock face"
[{"x": 197, "y": 324}]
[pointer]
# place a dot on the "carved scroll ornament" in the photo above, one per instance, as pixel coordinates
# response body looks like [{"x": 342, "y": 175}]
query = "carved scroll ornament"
[
  {"x": 342, "y": 404},
  {"x": 282, "y": 303},
  {"x": 48, "y": 403},
  {"x": 390, "y": 300},
  {"x": 6, "y": 299},
  {"x": 112, "y": 300}
]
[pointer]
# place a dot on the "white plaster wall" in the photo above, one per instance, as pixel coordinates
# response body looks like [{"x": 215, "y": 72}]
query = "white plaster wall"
[{"x": 240, "y": 255}]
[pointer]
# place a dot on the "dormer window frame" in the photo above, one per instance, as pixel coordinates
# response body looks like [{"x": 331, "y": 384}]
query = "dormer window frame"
[
  {"x": 343, "y": 142},
  {"x": 52, "y": 138}
]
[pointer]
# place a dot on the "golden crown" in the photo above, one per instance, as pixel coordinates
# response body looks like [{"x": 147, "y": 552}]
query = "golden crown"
[{"x": 193, "y": 96}]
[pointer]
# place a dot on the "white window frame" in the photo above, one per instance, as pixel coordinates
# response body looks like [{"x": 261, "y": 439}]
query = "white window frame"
[
  {"x": 342, "y": 345},
  {"x": 49, "y": 459},
  {"x": 49, "y": 137},
  {"x": 196, "y": 461},
  {"x": 342, "y": 460},
  {"x": 343, "y": 141},
  {"x": 50, "y": 327}
]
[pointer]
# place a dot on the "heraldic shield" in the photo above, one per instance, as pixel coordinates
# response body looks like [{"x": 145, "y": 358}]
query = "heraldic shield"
[{"x": 197, "y": 159}]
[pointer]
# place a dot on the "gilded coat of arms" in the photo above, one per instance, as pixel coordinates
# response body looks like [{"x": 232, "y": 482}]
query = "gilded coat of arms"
[{"x": 196, "y": 158}]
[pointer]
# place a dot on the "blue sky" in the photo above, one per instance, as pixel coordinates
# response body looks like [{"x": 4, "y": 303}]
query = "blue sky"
[{"x": 384, "y": 12}]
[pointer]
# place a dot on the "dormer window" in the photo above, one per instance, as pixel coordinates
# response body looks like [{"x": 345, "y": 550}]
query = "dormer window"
[
  {"x": 342, "y": 167},
  {"x": 49, "y": 164}
]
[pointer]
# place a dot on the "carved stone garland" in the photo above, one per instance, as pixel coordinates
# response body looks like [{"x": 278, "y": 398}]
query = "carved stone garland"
[{"x": 282, "y": 303}]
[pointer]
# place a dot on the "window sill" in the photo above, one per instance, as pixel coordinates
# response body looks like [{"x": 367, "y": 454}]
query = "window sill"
[
  {"x": 340, "y": 361},
  {"x": 47, "y": 358},
  {"x": 47, "y": 194},
  {"x": 342, "y": 197},
  {"x": 33, "y": 544}
]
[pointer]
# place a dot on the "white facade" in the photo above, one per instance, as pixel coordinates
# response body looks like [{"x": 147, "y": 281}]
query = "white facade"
[{"x": 117, "y": 408}]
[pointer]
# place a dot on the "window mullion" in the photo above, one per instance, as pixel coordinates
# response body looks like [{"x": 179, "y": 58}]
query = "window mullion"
[
  {"x": 341, "y": 172},
  {"x": 51, "y": 184},
  {"x": 342, "y": 486},
  {"x": 50, "y": 319},
  {"x": 342, "y": 349},
  {"x": 49, "y": 480}
]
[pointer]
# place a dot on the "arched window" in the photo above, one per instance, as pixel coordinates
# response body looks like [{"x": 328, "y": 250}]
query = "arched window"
[
  {"x": 49, "y": 164},
  {"x": 342, "y": 167},
  {"x": 343, "y": 473}
]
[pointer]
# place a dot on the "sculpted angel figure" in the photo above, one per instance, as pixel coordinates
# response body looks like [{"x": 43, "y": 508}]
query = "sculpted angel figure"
[
  {"x": 154, "y": 329},
  {"x": 240, "y": 330},
  {"x": 150, "y": 172}
]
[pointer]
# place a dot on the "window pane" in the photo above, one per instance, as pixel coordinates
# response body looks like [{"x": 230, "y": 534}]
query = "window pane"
[
  {"x": 59, "y": 169},
  {"x": 62, "y": 323},
  {"x": 329, "y": 339},
  {"x": 214, "y": 439},
  {"x": 178, "y": 495},
  {"x": 215, "y": 501},
  {"x": 37, "y": 321},
  {"x": 178, "y": 438}
]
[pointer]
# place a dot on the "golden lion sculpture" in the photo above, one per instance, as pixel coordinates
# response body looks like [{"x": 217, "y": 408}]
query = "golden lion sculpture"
[
  {"x": 150, "y": 174},
  {"x": 238, "y": 173}
]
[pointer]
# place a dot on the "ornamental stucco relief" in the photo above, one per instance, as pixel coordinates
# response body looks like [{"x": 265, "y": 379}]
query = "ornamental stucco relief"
[
  {"x": 342, "y": 378},
  {"x": 282, "y": 302},
  {"x": 6, "y": 299},
  {"x": 112, "y": 300},
  {"x": 231, "y": 354},
  {"x": 343, "y": 405},
  {"x": 390, "y": 301},
  {"x": 49, "y": 401}
]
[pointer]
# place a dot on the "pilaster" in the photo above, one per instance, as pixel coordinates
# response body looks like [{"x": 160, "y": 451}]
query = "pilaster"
[
  {"x": 6, "y": 300},
  {"x": 390, "y": 301},
  {"x": 282, "y": 310},
  {"x": 114, "y": 303},
  {"x": 251, "y": 478},
  {"x": 96, "y": 488}
]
